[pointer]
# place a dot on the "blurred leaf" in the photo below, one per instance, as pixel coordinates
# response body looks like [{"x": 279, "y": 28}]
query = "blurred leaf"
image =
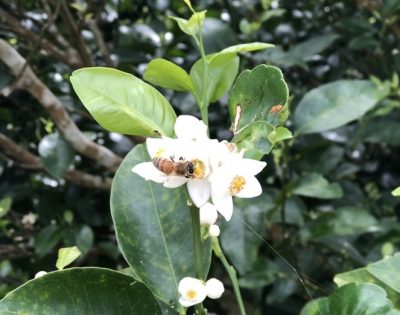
[
  {"x": 192, "y": 26},
  {"x": 280, "y": 134},
  {"x": 316, "y": 186},
  {"x": 56, "y": 154},
  {"x": 221, "y": 72},
  {"x": 254, "y": 139},
  {"x": 5, "y": 206},
  {"x": 84, "y": 239},
  {"x": 47, "y": 238},
  {"x": 153, "y": 230},
  {"x": 122, "y": 103},
  {"x": 66, "y": 256},
  {"x": 396, "y": 192},
  {"x": 353, "y": 299},
  {"x": 256, "y": 91},
  {"x": 217, "y": 35},
  {"x": 168, "y": 75},
  {"x": 382, "y": 130},
  {"x": 81, "y": 291},
  {"x": 335, "y": 104},
  {"x": 239, "y": 242},
  {"x": 262, "y": 273}
]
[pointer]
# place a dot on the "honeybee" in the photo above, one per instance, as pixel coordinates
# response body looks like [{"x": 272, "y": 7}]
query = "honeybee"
[{"x": 177, "y": 168}]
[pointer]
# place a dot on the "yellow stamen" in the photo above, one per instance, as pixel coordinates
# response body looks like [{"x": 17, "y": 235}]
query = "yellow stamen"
[
  {"x": 191, "y": 294},
  {"x": 160, "y": 152},
  {"x": 199, "y": 169},
  {"x": 236, "y": 185}
]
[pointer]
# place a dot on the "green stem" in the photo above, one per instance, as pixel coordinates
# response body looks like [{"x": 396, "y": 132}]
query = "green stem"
[
  {"x": 231, "y": 272},
  {"x": 197, "y": 252}
]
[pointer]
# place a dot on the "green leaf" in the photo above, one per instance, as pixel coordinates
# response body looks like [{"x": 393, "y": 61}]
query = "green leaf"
[
  {"x": 335, "y": 104},
  {"x": 78, "y": 291},
  {"x": 66, "y": 256},
  {"x": 240, "y": 243},
  {"x": 396, "y": 192},
  {"x": 353, "y": 299},
  {"x": 316, "y": 186},
  {"x": 56, "y": 154},
  {"x": 47, "y": 239},
  {"x": 381, "y": 130},
  {"x": 246, "y": 47},
  {"x": 192, "y": 26},
  {"x": 256, "y": 91},
  {"x": 384, "y": 273},
  {"x": 84, "y": 238},
  {"x": 153, "y": 228},
  {"x": 122, "y": 103},
  {"x": 280, "y": 134},
  {"x": 253, "y": 138},
  {"x": 221, "y": 72},
  {"x": 5, "y": 206},
  {"x": 168, "y": 75}
]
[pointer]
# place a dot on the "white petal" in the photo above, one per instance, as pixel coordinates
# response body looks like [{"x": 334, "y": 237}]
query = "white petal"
[
  {"x": 187, "y": 303},
  {"x": 208, "y": 214},
  {"x": 174, "y": 181},
  {"x": 250, "y": 167},
  {"x": 224, "y": 205},
  {"x": 214, "y": 288},
  {"x": 148, "y": 171},
  {"x": 157, "y": 146},
  {"x": 191, "y": 284},
  {"x": 199, "y": 191},
  {"x": 251, "y": 189},
  {"x": 190, "y": 128},
  {"x": 214, "y": 230}
]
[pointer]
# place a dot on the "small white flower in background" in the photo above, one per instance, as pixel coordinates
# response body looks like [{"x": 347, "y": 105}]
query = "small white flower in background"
[
  {"x": 214, "y": 288},
  {"x": 208, "y": 214},
  {"x": 214, "y": 230},
  {"x": 40, "y": 274},
  {"x": 192, "y": 291}
]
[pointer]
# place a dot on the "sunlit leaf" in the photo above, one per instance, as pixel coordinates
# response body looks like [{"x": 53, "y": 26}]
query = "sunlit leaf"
[{"x": 66, "y": 256}]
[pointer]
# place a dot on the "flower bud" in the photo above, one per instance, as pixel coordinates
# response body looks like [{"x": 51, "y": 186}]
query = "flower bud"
[
  {"x": 214, "y": 230},
  {"x": 40, "y": 274},
  {"x": 214, "y": 288},
  {"x": 208, "y": 214}
]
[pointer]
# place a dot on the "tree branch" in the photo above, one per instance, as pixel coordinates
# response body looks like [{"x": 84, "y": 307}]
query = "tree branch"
[
  {"x": 31, "y": 161},
  {"x": 31, "y": 83}
]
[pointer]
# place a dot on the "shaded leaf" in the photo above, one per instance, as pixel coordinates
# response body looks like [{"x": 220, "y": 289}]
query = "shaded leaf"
[
  {"x": 78, "y": 291},
  {"x": 335, "y": 104},
  {"x": 316, "y": 186},
  {"x": 56, "y": 154},
  {"x": 5, "y": 206},
  {"x": 168, "y": 75},
  {"x": 47, "y": 239},
  {"x": 280, "y": 134},
  {"x": 66, "y": 256},
  {"x": 153, "y": 228},
  {"x": 84, "y": 239},
  {"x": 256, "y": 91},
  {"x": 122, "y": 103}
]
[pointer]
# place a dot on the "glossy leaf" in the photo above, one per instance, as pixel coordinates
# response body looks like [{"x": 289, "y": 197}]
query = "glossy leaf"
[
  {"x": 335, "y": 104},
  {"x": 122, "y": 103},
  {"x": 78, "y": 291},
  {"x": 153, "y": 228},
  {"x": 239, "y": 242},
  {"x": 353, "y": 299},
  {"x": 56, "y": 154},
  {"x": 254, "y": 139},
  {"x": 221, "y": 72},
  {"x": 168, "y": 75},
  {"x": 316, "y": 186},
  {"x": 256, "y": 91},
  {"x": 66, "y": 256}
]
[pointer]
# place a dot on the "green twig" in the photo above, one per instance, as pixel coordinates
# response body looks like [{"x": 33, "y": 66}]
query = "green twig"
[{"x": 231, "y": 272}]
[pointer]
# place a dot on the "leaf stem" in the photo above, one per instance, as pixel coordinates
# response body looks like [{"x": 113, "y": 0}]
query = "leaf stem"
[{"x": 231, "y": 272}]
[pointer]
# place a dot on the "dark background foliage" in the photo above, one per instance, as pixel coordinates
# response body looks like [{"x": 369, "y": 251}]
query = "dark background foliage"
[{"x": 317, "y": 42}]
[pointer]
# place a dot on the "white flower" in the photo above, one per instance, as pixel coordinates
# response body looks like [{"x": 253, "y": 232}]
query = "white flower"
[
  {"x": 208, "y": 214},
  {"x": 233, "y": 175},
  {"x": 192, "y": 291},
  {"x": 191, "y": 146},
  {"x": 40, "y": 274},
  {"x": 214, "y": 288},
  {"x": 214, "y": 230}
]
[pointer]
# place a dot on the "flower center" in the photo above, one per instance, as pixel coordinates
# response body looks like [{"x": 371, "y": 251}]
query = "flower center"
[
  {"x": 191, "y": 294},
  {"x": 236, "y": 185},
  {"x": 199, "y": 169},
  {"x": 160, "y": 152}
]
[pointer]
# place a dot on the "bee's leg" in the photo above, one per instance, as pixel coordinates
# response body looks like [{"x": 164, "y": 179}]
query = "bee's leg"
[
  {"x": 172, "y": 158},
  {"x": 181, "y": 158}
]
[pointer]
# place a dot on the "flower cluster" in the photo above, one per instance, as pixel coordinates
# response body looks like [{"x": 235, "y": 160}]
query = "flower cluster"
[
  {"x": 211, "y": 169},
  {"x": 193, "y": 291}
]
